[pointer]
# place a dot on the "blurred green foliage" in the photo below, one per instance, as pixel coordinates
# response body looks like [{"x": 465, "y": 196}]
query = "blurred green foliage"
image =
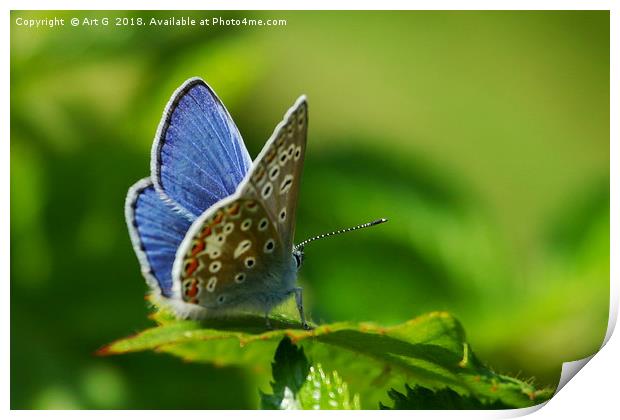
[{"x": 482, "y": 136}]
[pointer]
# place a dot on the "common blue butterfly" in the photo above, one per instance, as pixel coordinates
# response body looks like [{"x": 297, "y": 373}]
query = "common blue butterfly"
[{"x": 213, "y": 231}]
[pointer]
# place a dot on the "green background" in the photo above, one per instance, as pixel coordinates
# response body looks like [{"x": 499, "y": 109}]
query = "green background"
[{"x": 482, "y": 136}]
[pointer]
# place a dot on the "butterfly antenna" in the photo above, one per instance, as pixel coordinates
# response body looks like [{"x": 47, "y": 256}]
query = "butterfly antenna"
[{"x": 338, "y": 232}]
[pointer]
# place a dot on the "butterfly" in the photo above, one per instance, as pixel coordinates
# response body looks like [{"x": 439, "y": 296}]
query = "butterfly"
[{"x": 212, "y": 230}]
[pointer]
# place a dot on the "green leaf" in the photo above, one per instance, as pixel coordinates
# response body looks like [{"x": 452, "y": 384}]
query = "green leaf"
[
  {"x": 420, "y": 398},
  {"x": 429, "y": 350},
  {"x": 290, "y": 369},
  {"x": 322, "y": 391},
  {"x": 297, "y": 385}
]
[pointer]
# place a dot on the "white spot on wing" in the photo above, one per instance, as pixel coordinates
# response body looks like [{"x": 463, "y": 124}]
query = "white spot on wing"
[
  {"x": 286, "y": 184},
  {"x": 245, "y": 225},
  {"x": 211, "y": 284},
  {"x": 249, "y": 262},
  {"x": 262, "y": 225},
  {"x": 242, "y": 247},
  {"x": 269, "y": 246},
  {"x": 267, "y": 189},
  {"x": 215, "y": 266},
  {"x": 274, "y": 172},
  {"x": 215, "y": 253}
]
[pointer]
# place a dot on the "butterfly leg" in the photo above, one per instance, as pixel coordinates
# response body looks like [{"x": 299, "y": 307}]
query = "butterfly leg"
[{"x": 300, "y": 307}]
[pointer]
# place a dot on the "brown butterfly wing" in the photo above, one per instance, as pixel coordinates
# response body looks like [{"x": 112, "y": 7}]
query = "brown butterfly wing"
[
  {"x": 234, "y": 257},
  {"x": 276, "y": 174}
]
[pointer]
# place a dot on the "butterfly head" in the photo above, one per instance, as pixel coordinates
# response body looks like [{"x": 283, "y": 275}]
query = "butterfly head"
[{"x": 298, "y": 254}]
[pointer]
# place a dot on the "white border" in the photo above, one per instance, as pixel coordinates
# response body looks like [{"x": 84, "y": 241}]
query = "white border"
[{"x": 596, "y": 383}]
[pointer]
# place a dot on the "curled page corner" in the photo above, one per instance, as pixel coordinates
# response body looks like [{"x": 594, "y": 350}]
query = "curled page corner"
[{"x": 570, "y": 369}]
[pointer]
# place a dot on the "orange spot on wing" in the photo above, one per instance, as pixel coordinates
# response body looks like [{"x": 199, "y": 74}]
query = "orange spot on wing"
[
  {"x": 197, "y": 247},
  {"x": 260, "y": 172},
  {"x": 190, "y": 266},
  {"x": 271, "y": 153},
  {"x": 206, "y": 231},
  {"x": 234, "y": 209},
  {"x": 193, "y": 289}
]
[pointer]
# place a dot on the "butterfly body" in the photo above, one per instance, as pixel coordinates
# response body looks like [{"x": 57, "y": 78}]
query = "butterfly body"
[{"x": 214, "y": 232}]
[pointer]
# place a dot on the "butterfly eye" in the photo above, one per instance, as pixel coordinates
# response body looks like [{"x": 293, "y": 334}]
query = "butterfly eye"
[{"x": 298, "y": 259}]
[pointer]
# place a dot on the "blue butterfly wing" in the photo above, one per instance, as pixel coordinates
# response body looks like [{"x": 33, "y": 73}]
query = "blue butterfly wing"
[
  {"x": 198, "y": 156},
  {"x": 156, "y": 229}
]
